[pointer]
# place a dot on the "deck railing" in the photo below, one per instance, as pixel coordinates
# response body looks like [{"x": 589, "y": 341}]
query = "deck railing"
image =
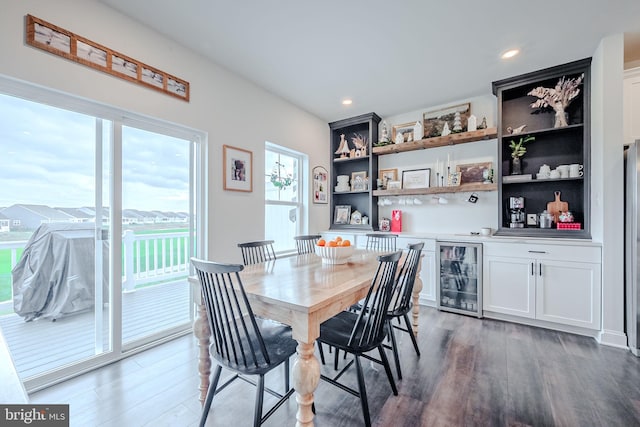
[{"x": 148, "y": 258}]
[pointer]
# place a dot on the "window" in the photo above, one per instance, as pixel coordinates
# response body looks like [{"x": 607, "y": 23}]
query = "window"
[{"x": 285, "y": 216}]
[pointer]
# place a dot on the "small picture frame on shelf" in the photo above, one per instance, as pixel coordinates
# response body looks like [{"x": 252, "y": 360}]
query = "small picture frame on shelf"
[
  {"x": 454, "y": 179},
  {"x": 356, "y": 218},
  {"x": 359, "y": 181},
  {"x": 416, "y": 178},
  {"x": 342, "y": 214},
  {"x": 394, "y": 185},
  {"x": 406, "y": 129},
  {"x": 387, "y": 175}
]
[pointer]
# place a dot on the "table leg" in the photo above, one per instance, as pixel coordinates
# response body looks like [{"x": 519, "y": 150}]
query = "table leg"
[
  {"x": 417, "y": 287},
  {"x": 306, "y": 375},
  {"x": 202, "y": 333}
]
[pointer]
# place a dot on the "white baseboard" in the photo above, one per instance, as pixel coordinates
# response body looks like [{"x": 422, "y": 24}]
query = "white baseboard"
[{"x": 612, "y": 338}]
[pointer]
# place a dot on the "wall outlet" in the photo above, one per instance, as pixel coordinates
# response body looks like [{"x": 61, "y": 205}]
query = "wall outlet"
[{"x": 532, "y": 219}]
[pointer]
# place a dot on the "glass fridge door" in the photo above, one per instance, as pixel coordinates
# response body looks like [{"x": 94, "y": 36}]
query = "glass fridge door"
[{"x": 460, "y": 279}]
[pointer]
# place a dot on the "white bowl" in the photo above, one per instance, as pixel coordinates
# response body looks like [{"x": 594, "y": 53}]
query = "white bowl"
[{"x": 335, "y": 254}]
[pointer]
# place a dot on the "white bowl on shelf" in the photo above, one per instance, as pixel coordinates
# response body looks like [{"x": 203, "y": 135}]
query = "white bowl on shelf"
[{"x": 334, "y": 254}]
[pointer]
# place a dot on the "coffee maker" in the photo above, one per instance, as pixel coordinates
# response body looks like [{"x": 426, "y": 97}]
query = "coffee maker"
[{"x": 516, "y": 212}]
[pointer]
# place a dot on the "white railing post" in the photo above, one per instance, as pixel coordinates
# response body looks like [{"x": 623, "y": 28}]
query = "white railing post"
[{"x": 129, "y": 283}]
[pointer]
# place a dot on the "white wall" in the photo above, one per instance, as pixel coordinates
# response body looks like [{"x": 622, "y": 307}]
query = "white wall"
[
  {"x": 458, "y": 216},
  {"x": 607, "y": 181},
  {"x": 231, "y": 110}
]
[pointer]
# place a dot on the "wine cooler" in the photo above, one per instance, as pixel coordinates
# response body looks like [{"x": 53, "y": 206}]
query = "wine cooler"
[{"x": 459, "y": 287}]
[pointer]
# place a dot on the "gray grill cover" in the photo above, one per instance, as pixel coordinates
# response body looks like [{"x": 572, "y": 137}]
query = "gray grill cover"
[{"x": 55, "y": 275}]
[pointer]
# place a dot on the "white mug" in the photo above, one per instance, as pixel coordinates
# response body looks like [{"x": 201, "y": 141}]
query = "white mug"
[
  {"x": 564, "y": 171},
  {"x": 485, "y": 231},
  {"x": 575, "y": 170}
]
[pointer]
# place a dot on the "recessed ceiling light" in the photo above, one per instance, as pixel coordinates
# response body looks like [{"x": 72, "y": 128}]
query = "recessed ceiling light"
[
  {"x": 347, "y": 101},
  {"x": 510, "y": 53}
]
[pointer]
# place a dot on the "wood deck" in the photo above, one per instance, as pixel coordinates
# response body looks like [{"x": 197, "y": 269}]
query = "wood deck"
[{"x": 42, "y": 345}]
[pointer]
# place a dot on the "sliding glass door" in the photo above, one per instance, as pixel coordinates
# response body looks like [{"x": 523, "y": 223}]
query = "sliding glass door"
[{"x": 96, "y": 233}]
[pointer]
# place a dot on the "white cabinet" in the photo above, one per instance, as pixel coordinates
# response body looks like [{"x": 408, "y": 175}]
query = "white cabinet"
[
  {"x": 631, "y": 105},
  {"x": 509, "y": 286},
  {"x": 552, "y": 283},
  {"x": 569, "y": 293}
]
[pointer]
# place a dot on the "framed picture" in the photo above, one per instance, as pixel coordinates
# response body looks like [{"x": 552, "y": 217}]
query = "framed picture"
[
  {"x": 454, "y": 179},
  {"x": 342, "y": 214},
  {"x": 456, "y": 117},
  {"x": 406, "y": 129},
  {"x": 387, "y": 175},
  {"x": 394, "y": 185},
  {"x": 473, "y": 172},
  {"x": 320, "y": 184},
  {"x": 416, "y": 178},
  {"x": 237, "y": 167},
  {"x": 64, "y": 43},
  {"x": 359, "y": 181}
]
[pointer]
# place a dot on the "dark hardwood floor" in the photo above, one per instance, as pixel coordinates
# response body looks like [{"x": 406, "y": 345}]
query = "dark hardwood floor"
[{"x": 471, "y": 373}]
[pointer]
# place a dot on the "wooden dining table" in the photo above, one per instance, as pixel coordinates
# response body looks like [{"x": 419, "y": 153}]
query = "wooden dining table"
[{"x": 302, "y": 292}]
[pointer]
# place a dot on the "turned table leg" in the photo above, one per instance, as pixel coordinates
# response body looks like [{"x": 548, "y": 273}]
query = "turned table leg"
[
  {"x": 306, "y": 375},
  {"x": 202, "y": 333},
  {"x": 417, "y": 287}
]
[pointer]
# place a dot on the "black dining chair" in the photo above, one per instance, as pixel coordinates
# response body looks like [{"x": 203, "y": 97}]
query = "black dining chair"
[
  {"x": 359, "y": 333},
  {"x": 257, "y": 252},
  {"x": 381, "y": 242},
  {"x": 242, "y": 343},
  {"x": 401, "y": 300},
  {"x": 306, "y": 244}
]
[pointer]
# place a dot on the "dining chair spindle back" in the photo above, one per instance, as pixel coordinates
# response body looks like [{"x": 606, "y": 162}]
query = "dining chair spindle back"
[
  {"x": 306, "y": 244},
  {"x": 381, "y": 242},
  {"x": 257, "y": 252},
  {"x": 401, "y": 300},
  {"x": 359, "y": 333},
  {"x": 241, "y": 342}
]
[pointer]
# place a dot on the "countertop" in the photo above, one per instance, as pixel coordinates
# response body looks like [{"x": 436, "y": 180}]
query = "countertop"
[{"x": 468, "y": 237}]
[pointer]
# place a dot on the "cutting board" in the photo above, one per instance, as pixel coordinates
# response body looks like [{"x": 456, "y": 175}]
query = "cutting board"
[{"x": 557, "y": 206}]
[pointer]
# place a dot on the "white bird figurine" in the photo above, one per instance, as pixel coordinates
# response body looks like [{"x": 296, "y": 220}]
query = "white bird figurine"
[{"x": 517, "y": 130}]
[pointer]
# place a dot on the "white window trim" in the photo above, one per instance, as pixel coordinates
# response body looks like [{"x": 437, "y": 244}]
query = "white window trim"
[{"x": 301, "y": 204}]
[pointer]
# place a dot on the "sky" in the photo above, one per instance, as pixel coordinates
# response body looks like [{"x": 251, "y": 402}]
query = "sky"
[{"x": 47, "y": 157}]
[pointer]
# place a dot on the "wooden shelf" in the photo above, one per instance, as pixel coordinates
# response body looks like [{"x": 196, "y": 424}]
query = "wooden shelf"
[
  {"x": 543, "y": 131},
  {"x": 438, "y": 141},
  {"x": 437, "y": 190}
]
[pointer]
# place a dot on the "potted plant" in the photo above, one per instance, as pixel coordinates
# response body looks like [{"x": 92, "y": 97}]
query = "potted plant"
[{"x": 517, "y": 151}]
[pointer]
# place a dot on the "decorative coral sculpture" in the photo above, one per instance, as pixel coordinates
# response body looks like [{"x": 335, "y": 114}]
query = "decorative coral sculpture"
[{"x": 557, "y": 98}]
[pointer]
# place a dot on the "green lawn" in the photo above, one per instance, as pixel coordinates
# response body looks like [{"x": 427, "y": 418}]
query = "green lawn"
[{"x": 155, "y": 259}]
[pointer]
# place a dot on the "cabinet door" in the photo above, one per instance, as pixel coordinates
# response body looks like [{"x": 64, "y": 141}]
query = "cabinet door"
[
  {"x": 569, "y": 293},
  {"x": 509, "y": 286},
  {"x": 428, "y": 277}
]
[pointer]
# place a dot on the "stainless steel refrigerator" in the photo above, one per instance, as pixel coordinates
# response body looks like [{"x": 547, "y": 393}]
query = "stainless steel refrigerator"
[{"x": 632, "y": 228}]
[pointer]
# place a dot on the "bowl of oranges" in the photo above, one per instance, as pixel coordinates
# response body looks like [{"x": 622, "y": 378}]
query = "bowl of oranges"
[{"x": 336, "y": 251}]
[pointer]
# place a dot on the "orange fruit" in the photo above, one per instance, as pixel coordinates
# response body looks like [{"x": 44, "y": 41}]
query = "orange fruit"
[
  {"x": 321, "y": 242},
  {"x": 338, "y": 239},
  {"x": 332, "y": 244},
  {"x": 345, "y": 242}
]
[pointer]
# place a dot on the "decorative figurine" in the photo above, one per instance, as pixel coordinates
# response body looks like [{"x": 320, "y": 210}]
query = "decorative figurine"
[
  {"x": 483, "y": 125},
  {"x": 517, "y": 130},
  {"x": 385, "y": 133},
  {"x": 399, "y": 138},
  {"x": 457, "y": 123},
  {"x": 445, "y": 129},
  {"x": 472, "y": 123},
  {"x": 418, "y": 131},
  {"x": 343, "y": 149}
]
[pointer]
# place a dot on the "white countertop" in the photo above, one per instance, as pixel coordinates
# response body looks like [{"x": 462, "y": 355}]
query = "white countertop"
[{"x": 468, "y": 237}]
